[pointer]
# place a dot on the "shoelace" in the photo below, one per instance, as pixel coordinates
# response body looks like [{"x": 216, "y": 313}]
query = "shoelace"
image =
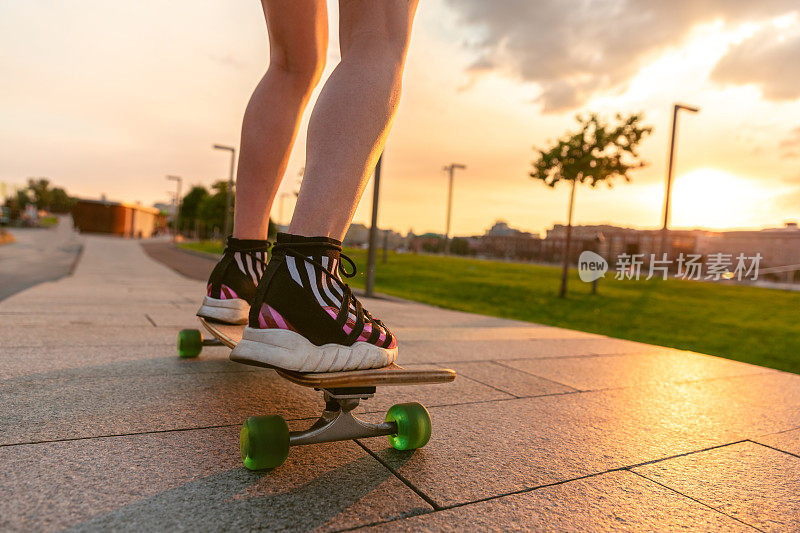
[
  {"x": 251, "y": 252},
  {"x": 341, "y": 319}
]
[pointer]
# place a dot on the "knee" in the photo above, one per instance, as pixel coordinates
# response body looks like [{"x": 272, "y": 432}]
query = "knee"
[{"x": 303, "y": 69}]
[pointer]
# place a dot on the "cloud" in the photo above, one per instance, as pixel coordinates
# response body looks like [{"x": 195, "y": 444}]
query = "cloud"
[
  {"x": 576, "y": 48},
  {"x": 769, "y": 59},
  {"x": 790, "y": 146}
]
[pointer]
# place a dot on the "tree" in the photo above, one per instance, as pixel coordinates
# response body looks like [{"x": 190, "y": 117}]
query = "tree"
[
  {"x": 189, "y": 207},
  {"x": 459, "y": 246},
  {"x": 598, "y": 152},
  {"x": 40, "y": 190},
  {"x": 211, "y": 209},
  {"x": 60, "y": 201},
  {"x": 16, "y": 204}
]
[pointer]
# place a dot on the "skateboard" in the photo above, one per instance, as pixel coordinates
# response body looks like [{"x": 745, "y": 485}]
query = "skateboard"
[{"x": 264, "y": 441}]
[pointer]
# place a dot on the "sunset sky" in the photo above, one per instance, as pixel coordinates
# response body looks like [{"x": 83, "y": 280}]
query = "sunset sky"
[{"x": 108, "y": 97}]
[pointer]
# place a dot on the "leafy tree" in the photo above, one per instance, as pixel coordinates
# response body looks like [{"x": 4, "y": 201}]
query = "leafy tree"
[
  {"x": 598, "y": 152},
  {"x": 40, "y": 190},
  {"x": 60, "y": 201},
  {"x": 459, "y": 246},
  {"x": 190, "y": 205},
  {"x": 23, "y": 199},
  {"x": 211, "y": 209},
  {"x": 432, "y": 243},
  {"x": 16, "y": 204}
]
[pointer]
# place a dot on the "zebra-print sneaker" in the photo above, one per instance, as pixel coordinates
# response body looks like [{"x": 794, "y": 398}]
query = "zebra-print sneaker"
[
  {"x": 305, "y": 318},
  {"x": 233, "y": 281}
]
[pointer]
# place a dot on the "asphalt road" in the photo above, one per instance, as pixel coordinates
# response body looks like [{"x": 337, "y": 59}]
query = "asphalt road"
[
  {"x": 38, "y": 255},
  {"x": 191, "y": 265}
]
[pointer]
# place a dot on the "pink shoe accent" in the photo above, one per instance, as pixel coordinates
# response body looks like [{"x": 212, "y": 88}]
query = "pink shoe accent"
[
  {"x": 262, "y": 322},
  {"x": 269, "y": 318},
  {"x": 228, "y": 293},
  {"x": 348, "y": 327},
  {"x": 365, "y": 332},
  {"x": 225, "y": 293},
  {"x": 282, "y": 324}
]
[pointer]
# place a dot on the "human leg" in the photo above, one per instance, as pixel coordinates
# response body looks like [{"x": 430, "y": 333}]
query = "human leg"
[{"x": 298, "y": 39}]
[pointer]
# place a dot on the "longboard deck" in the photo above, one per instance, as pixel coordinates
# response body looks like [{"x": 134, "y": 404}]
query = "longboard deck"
[{"x": 230, "y": 335}]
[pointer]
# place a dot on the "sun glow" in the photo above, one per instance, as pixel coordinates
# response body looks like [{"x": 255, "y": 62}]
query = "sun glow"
[{"x": 713, "y": 198}]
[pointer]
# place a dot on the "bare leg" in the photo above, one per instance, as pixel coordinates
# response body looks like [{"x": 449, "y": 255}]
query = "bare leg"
[
  {"x": 298, "y": 38},
  {"x": 352, "y": 117}
]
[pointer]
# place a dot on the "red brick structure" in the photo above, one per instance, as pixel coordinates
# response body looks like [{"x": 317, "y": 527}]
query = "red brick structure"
[{"x": 125, "y": 220}]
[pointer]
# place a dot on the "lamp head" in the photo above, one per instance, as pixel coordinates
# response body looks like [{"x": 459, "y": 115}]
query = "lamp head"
[{"x": 688, "y": 108}]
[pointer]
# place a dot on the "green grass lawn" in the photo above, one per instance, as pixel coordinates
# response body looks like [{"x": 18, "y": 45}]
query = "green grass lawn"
[
  {"x": 759, "y": 326},
  {"x": 209, "y": 247},
  {"x": 48, "y": 221}
]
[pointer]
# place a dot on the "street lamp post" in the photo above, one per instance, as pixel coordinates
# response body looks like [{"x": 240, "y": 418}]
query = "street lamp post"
[
  {"x": 665, "y": 247},
  {"x": 178, "y": 201},
  {"x": 450, "y": 169},
  {"x": 229, "y": 199},
  {"x": 373, "y": 232}
]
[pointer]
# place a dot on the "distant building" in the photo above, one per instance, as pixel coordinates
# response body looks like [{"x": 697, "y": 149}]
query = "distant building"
[
  {"x": 501, "y": 240},
  {"x": 117, "y": 218},
  {"x": 500, "y": 229},
  {"x": 613, "y": 241},
  {"x": 357, "y": 236},
  {"x": 777, "y": 246},
  {"x": 427, "y": 242}
]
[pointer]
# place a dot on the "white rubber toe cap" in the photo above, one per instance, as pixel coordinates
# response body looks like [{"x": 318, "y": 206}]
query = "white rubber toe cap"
[{"x": 281, "y": 348}]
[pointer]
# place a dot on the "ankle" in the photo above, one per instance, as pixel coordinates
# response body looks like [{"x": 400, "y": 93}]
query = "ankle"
[
  {"x": 248, "y": 235},
  {"x": 289, "y": 239},
  {"x": 238, "y": 244}
]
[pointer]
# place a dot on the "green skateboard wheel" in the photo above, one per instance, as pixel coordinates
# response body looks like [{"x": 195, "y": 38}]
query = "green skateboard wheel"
[
  {"x": 190, "y": 343},
  {"x": 413, "y": 426},
  {"x": 264, "y": 442}
]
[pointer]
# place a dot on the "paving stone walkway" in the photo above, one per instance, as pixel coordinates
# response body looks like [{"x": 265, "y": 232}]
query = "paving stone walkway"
[{"x": 103, "y": 427}]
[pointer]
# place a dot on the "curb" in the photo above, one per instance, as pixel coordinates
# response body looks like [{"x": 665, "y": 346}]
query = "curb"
[{"x": 77, "y": 259}]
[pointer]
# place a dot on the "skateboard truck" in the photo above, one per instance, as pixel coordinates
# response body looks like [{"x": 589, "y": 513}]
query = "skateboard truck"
[
  {"x": 264, "y": 440},
  {"x": 337, "y": 421}
]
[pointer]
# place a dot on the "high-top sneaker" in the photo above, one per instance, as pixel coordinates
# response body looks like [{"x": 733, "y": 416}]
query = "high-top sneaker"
[
  {"x": 305, "y": 318},
  {"x": 233, "y": 281}
]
